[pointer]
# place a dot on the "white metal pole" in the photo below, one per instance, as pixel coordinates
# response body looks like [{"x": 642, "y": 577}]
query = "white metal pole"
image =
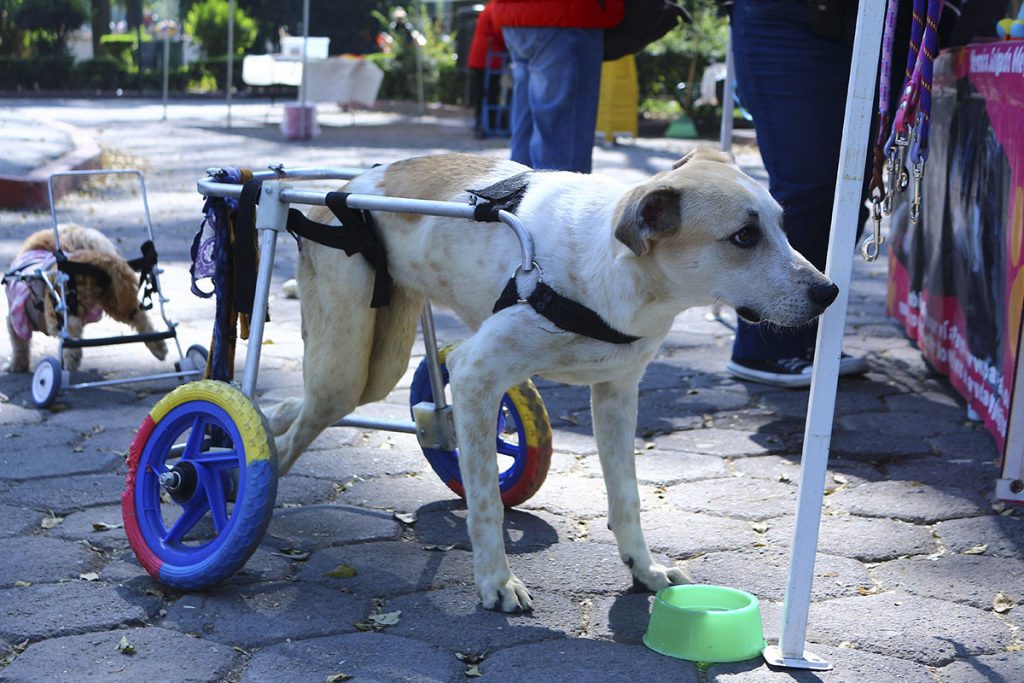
[
  {"x": 303, "y": 133},
  {"x": 231, "y": 54},
  {"x": 725, "y": 132},
  {"x": 825, "y": 378}
]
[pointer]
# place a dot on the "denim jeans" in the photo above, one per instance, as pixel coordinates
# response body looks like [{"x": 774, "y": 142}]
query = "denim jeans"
[
  {"x": 794, "y": 85},
  {"x": 557, "y": 75}
]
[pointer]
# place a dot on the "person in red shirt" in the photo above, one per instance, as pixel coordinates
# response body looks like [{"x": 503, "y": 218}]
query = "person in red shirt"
[{"x": 557, "y": 48}]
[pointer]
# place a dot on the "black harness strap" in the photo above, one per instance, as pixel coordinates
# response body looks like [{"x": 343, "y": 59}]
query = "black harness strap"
[
  {"x": 360, "y": 236},
  {"x": 565, "y": 313},
  {"x": 503, "y": 195},
  {"x": 144, "y": 266},
  {"x": 244, "y": 248}
]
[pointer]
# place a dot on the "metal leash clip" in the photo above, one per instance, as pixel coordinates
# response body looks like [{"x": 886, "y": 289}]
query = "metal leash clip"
[
  {"x": 915, "y": 204},
  {"x": 872, "y": 245},
  {"x": 902, "y": 146}
]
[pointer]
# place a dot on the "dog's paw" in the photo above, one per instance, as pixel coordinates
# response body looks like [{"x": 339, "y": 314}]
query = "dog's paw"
[
  {"x": 658, "y": 576},
  {"x": 15, "y": 365},
  {"x": 158, "y": 348},
  {"x": 509, "y": 596}
]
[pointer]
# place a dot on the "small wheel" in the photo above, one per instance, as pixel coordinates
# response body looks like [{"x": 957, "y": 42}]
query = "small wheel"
[
  {"x": 194, "y": 361},
  {"x": 523, "y": 442},
  {"x": 201, "y": 485},
  {"x": 46, "y": 381}
]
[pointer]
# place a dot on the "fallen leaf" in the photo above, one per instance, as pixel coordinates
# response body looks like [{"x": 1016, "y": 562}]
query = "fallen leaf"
[
  {"x": 406, "y": 517},
  {"x": 864, "y": 590},
  {"x": 22, "y": 584},
  {"x": 103, "y": 526},
  {"x": 759, "y": 527},
  {"x": 977, "y": 549},
  {"x": 1003, "y": 603},
  {"x": 440, "y": 548},
  {"x": 840, "y": 479},
  {"x": 784, "y": 478},
  {"x": 294, "y": 554},
  {"x": 89, "y": 576},
  {"x": 240, "y": 650},
  {"x": 342, "y": 571},
  {"x": 335, "y": 678},
  {"x": 124, "y": 647},
  {"x": 473, "y": 672},
  {"x": 386, "y": 619},
  {"x": 362, "y": 626},
  {"x": 51, "y": 522}
]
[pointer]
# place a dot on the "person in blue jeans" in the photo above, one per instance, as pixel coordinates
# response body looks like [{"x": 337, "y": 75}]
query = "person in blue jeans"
[
  {"x": 792, "y": 65},
  {"x": 557, "y": 47}
]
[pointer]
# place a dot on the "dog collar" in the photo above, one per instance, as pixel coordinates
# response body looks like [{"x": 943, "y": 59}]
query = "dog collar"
[{"x": 565, "y": 313}]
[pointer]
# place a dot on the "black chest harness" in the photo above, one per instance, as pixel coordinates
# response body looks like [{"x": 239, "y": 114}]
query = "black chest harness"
[{"x": 361, "y": 236}]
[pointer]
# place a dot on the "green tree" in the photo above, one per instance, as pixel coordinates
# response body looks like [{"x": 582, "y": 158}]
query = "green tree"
[
  {"x": 207, "y": 22},
  {"x": 12, "y": 36},
  {"x": 50, "y": 21}
]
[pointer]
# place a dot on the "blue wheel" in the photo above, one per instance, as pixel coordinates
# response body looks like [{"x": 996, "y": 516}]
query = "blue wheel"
[
  {"x": 522, "y": 442},
  {"x": 201, "y": 485}
]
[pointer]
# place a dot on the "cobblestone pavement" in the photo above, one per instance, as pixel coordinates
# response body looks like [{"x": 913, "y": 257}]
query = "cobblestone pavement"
[{"x": 912, "y": 555}]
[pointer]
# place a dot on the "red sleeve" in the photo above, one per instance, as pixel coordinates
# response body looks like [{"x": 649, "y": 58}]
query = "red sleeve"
[{"x": 487, "y": 35}]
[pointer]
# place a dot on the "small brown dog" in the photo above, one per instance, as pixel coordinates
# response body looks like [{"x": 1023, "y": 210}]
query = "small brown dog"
[{"x": 32, "y": 308}]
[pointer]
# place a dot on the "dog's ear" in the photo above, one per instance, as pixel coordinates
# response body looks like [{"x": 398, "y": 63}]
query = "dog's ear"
[
  {"x": 645, "y": 214},
  {"x": 708, "y": 153}
]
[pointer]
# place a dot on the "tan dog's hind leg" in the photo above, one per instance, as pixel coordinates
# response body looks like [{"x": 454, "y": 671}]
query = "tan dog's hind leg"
[
  {"x": 478, "y": 382},
  {"x": 614, "y": 408},
  {"x": 120, "y": 300},
  {"x": 337, "y": 332},
  {"x": 73, "y": 357},
  {"x": 394, "y": 332},
  {"x": 20, "y": 351}
]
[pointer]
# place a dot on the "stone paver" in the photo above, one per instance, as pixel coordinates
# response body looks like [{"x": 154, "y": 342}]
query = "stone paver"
[
  {"x": 581, "y": 661},
  {"x": 925, "y": 630},
  {"x": 159, "y": 655},
  {"x": 377, "y": 657},
  {"x": 969, "y": 579},
  {"x": 863, "y": 538},
  {"x": 909, "y": 501},
  {"x": 911, "y": 550},
  {"x": 48, "y": 610},
  {"x": 253, "y": 615},
  {"x": 37, "y": 559},
  {"x": 453, "y": 617}
]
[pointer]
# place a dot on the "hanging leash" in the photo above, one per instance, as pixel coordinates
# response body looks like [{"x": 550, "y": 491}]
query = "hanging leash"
[
  {"x": 876, "y": 189},
  {"x": 923, "y": 70}
]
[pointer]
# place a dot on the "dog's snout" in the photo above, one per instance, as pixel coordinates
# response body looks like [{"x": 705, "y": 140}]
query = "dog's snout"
[{"x": 824, "y": 294}]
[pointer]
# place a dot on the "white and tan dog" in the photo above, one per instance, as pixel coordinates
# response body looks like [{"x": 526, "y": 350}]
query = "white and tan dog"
[{"x": 700, "y": 233}]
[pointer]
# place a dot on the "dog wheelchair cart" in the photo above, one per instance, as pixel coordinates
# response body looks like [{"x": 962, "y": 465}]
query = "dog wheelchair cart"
[
  {"x": 49, "y": 376},
  {"x": 202, "y": 477}
]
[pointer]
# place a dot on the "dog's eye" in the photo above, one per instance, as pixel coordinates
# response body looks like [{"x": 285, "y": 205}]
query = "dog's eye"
[{"x": 745, "y": 237}]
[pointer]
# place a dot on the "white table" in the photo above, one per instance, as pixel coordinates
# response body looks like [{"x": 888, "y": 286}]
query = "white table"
[{"x": 344, "y": 80}]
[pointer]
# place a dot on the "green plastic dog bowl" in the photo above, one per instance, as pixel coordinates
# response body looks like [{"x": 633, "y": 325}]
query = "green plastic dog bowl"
[{"x": 705, "y": 624}]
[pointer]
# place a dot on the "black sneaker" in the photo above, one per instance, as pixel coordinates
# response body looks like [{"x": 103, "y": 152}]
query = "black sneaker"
[{"x": 789, "y": 372}]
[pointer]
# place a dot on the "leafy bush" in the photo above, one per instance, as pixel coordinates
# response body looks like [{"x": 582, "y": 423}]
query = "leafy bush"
[
  {"x": 207, "y": 22},
  {"x": 102, "y": 73},
  {"x": 50, "y": 72},
  {"x": 681, "y": 56},
  {"x": 442, "y": 82}
]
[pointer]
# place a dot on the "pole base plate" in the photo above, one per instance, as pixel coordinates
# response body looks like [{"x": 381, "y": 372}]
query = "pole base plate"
[{"x": 773, "y": 655}]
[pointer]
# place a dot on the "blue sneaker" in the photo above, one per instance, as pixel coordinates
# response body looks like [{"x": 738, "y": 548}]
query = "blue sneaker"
[{"x": 791, "y": 373}]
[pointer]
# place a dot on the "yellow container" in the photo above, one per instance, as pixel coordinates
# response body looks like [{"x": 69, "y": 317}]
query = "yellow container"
[{"x": 619, "y": 101}]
